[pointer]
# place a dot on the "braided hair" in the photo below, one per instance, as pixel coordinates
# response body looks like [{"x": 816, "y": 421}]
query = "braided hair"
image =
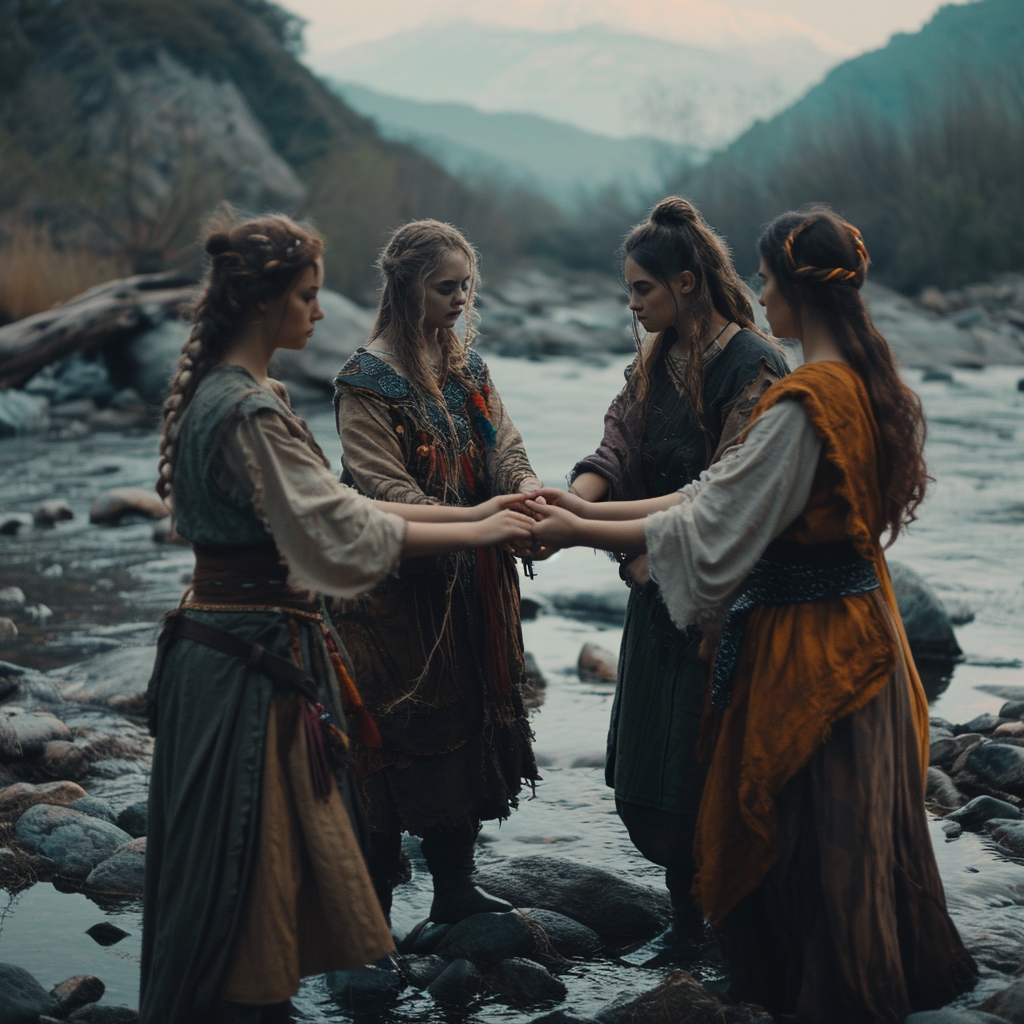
[
  {"x": 414, "y": 252},
  {"x": 676, "y": 238},
  {"x": 255, "y": 260},
  {"x": 820, "y": 262}
]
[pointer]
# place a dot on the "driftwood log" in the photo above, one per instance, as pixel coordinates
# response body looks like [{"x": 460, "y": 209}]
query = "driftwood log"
[{"x": 109, "y": 313}]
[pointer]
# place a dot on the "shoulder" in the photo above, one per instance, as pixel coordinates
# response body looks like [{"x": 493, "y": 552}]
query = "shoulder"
[
  {"x": 747, "y": 350},
  {"x": 832, "y": 394},
  {"x": 369, "y": 373},
  {"x": 228, "y": 390}
]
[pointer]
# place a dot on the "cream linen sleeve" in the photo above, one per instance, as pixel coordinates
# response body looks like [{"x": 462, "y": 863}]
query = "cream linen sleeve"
[
  {"x": 704, "y": 547},
  {"x": 332, "y": 538}
]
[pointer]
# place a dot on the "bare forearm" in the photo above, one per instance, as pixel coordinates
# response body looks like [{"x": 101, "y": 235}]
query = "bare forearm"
[
  {"x": 437, "y": 538},
  {"x": 590, "y": 487},
  {"x": 427, "y": 513},
  {"x": 626, "y": 537},
  {"x": 616, "y": 511}
]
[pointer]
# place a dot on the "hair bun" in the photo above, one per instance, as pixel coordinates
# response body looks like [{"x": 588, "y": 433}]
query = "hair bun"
[
  {"x": 219, "y": 242},
  {"x": 673, "y": 212}
]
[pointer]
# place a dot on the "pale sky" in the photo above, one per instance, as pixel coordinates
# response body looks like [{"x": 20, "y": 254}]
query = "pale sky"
[{"x": 841, "y": 28}]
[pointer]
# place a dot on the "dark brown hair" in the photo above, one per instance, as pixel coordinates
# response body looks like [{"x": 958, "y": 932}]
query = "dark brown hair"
[
  {"x": 414, "y": 252},
  {"x": 254, "y": 260},
  {"x": 673, "y": 239},
  {"x": 820, "y": 262}
]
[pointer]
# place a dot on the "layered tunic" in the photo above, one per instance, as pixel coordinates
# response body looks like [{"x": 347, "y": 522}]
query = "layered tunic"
[
  {"x": 648, "y": 451},
  {"x": 438, "y": 645},
  {"x": 812, "y": 845},
  {"x": 254, "y": 878}
]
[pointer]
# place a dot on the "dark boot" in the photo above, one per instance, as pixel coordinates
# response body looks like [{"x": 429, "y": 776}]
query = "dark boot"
[
  {"x": 687, "y": 939},
  {"x": 449, "y": 856}
]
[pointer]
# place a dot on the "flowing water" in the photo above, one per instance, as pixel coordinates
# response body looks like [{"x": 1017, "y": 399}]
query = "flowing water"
[{"x": 108, "y": 586}]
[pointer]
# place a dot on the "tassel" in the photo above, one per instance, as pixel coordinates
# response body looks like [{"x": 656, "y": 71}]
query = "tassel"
[
  {"x": 366, "y": 728},
  {"x": 494, "y": 631},
  {"x": 319, "y": 767},
  {"x": 483, "y": 419}
]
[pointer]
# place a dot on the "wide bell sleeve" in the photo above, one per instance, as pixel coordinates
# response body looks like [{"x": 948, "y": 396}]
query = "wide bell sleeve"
[
  {"x": 702, "y": 549},
  {"x": 333, "y": 539},
  {"x": 508, "y": 465}
]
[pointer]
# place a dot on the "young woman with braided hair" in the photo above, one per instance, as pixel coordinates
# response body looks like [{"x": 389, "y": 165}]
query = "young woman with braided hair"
[
  {"x": 812, "y": 846},
  {"x": 699, "y": 372},
  {"x": 438, "y": 648},
  {"x": 254, "y": 872}
]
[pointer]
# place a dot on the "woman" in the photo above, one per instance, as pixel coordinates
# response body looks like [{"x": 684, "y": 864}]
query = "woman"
[
  {"x": 812, "y": 844},
  {"x": 438, "y": 646},
  {"x": 698, "y": 375},
  {"x": 254, "y": 875}
]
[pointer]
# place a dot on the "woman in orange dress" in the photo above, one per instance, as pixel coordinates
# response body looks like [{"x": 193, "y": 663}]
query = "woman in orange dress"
[{"x": 813, "y": 853}]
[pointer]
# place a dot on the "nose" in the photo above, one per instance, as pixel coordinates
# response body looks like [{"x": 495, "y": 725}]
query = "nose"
[
  {"x": 318, "y": 313},
  {"x": 760, "y": 300},
  {"x": 635, "y": 303}
]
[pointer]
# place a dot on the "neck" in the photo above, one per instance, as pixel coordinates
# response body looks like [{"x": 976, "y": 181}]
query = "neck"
[
  {"x": 818, "y": 340},
  {"x": 716, "y": 329},
  {"x": 250, "y": 350}
]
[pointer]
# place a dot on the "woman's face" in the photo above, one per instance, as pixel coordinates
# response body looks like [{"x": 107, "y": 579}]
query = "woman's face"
[
  {"x": 446, "y": 292},
  {"x": 656, "y": 306},
  {"x": 293, "y": 316},
  {"x": 777, "y": 309}
]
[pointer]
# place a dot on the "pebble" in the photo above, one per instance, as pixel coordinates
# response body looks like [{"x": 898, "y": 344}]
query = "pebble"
[
  {"x": 51, "y": 512},
  {"x": 78, "y": 991},
  {"x": 524, "y": 983},
  {"x": 16, "y": 799},
  {"x": 458, "y": 983},
  {"x": 597, "y": 665},
  {"x": 106, "y": 934},
  {"x": 110, "y": 508},
  {"x": 487, "y": 939},
  {"x": 75, "y": 842},
  {"x": 973, "y": 815}
]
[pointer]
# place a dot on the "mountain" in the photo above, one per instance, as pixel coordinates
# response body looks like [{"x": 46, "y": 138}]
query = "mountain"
[
  {"x": 562, "y": 162},
  {"x": 601, "y": 80}
]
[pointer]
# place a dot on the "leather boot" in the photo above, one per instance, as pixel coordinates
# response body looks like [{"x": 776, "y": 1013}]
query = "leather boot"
[{"x": 449, "y": 856}]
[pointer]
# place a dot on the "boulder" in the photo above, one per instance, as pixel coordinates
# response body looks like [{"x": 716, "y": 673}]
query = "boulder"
[
  {"x": 524, "y": 983},
  {"x": 75, "y": 842},
  {"x": 123, "y": 874},
  {"x": 100, "y": 1013},
  {"x": 10, "y": 745},
  {"x": 424, "y": 937},
  {"x": 1012, "y": 709},
  {"x": 680, "y": 997},
  {"x": 608, "y": 607},
  {"x": 133, "y": 818},
  {"x": 123, "y": 502},
  {"x": 925, "y": 618},
  {"x": 78, "y": 991},
  {"x": 16, "y": 799},
  {"x": 35, "y": 729},
  {"x": 25, "y": 688},
  {"x": 487, "y": 939},
  {"x": 420, "y": 971},
  {"x": 22, "y": 998},
  {"x": 106, "y": 934},
  {"x": 597, "y": 665},
  {"x": 364, "y": 989},
  {"x": 568, "y": 938},
  {"x": 973, "y": 815},
  {"x": 1007, "y": 1005},
  {"x": 62, "y": 759},
  {"x": 51, "y": 512},
  {"x": 457, "y": 984},
  {"x": 1007, "y": 833},
  {"x": 108, "y": 677},
  {"x": 981, "y": 724},
  {"x": 95, "y": 807},
  {"x": 619, "y": 910},
  {"x": 995, "y": 766},
  {"x": 941, "y": 791}
]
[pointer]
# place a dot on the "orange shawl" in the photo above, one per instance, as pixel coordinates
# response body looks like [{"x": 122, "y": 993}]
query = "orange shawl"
[{"x": 801, "y": 667}]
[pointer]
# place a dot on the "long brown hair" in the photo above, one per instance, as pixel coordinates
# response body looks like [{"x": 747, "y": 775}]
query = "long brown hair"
[
  {"x": 673, "y": 239},
  {"x": 414, "y": 252},
  {"x": 820, "y": 262},
  {"x": 254, "y": 260}
]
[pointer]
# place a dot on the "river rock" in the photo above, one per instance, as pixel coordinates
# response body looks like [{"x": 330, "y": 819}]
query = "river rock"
[
  {"x": 422, "y": 970},
  {"x": 75, "y": 842},
  {"x": 133, "y": 819},
  {"x": 35, "y": 729},
  {"x": 981, "y": 724},
  {"x": 96, "y": 807},
  {"x": 457, "y": 984},
  {"x": 567, "y": 937},
  {"x": 13, "y": 522},
  {"x": 107, "y": 677},
  {"x": 21, "y": 413},
  {"x": 998, "y": 766},
  {"x": 8, "y": 630},
  {"x": 524, "y": 983},
  {"x": 953, "y": 1015},
  {"x": 563, "y": 1017},
  {"x": 78, "y": 991},
  {"x": 1009, "y": 729},
  {"x": 925, "y": 618},
  {"x": 22, "y": 998},
  {"x": 61, "y": 759},
  {"x": 1007, "y": 833},
  {"x": 597, "y": 665},
  {"x": 680, "y": 997},
  {"x": 608, "y": 607},
  {"x": 100, "y": 1013},
  {"x": 51, "y": 512},
  {"x": 424, "y": 937},
  {"x": 1012, "y": 709},
  {"x": 12, "y": 599},
  {"x": 973, "y": 815},
  {"x": 10, "y": 745},
  {"x": 619, "y": 910},
  {"x": 149, "y": 361},
  {"x": 123, "y": 874},
  {"x": 941, "y": 791},
  {"x": 1008, "y": 1004},
  {"x": 16, "y": 799},
  {"x": 121, "y": 502},
  {"x": 25, "y": 688},
  {"x": 487, "y": 939},
  {"x": 364, "y": 989},
  {"x": 106, "y": 934}
]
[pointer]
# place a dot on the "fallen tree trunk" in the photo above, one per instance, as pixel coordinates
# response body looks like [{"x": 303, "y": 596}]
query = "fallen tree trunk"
[{"x": 109, "y": 313}]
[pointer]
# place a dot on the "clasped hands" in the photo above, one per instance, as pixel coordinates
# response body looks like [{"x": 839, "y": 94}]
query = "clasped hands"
[{"x": 542, "y": 521}]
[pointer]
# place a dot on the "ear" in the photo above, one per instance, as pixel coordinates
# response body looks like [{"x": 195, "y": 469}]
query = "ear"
[{"x": 686, "y": 282}]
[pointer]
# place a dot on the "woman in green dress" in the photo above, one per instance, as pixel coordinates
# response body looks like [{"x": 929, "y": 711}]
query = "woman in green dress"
[
  {"x": 699, "y": 371},
  {"x": 254, "y": 871}
]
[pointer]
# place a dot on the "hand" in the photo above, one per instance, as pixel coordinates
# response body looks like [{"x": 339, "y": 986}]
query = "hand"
[
  {"x": 503, "y": 527},
  {"x": 498, "y": 503},
  {"x": 563, "y": 499},
  {"x": 555, "y": 527}
]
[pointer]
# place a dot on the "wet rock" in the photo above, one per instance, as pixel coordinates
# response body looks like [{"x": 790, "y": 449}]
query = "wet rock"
[
  {"x": 534, "y": 683},
  {"x": 12, "y": 599},
  {"x": 123, "y": 874},
  {"x": 680, "y": 997},
  {"x": 1012, "y": 709},
  {"x": 422, "y": 970},
  {"x": 22, "y": 413},
  {"x": 165, "y": 533},
  {"x": 982, "y": 724},
  {"x": 567, "y": 937},
  {"x": 925, "y": 618},
  {"x": 589, "y": 761},
  {"x": 106, "y": 934},
  {"x": 941, "y": 791},
  {"x": 63, "y": 760},
  {"x": 619, "y": 910},
  {"x": 457, "y": 984},
  {"x": 424, "y": 938},
  {"x": 26, "y": 688},
  {"x": 596, "y": 664},
  {"x": 976, "y": 812},
  {"x": 51, "y": 512},
  {"x": 11, "y": 523},
  {"x": 1009, "y": 729},
  {"x": 952, "y": 829},
  {"x": 997, "y": 766},
  {"x": 8, "y": 630},
  {"x": 99, "y": 1013},
  {"x": 117, "y": 674},
  {"x": 10, "y": 745},
  {"x": 39, "y": 614},
  {"x": 487, "y": 939},
  {"x": 78, "y": 991},
  {"x": 16, "y": 799},
  {"x": 608, "y": 607},
  {"x": 952, "y": 1015},
  {"x": 75, "y": 842},
  {"x": 96, "y": 808},
  {"x": 563, "y": 1017},
  {"x": 133, "y": 818},
  {"x": 364, "y": 989},
  {"x": 1007, "y": 833},
  {"x": 121, "y": 502},
  {"x": 35, "y": 729},
  {"x": 22, "y": 998},
  {"x": 524, "y": 983},
  {"x": 1008, "y": 1004},
  {"x": 115, "y": 768},
  {"x": 943, "y": 752}
]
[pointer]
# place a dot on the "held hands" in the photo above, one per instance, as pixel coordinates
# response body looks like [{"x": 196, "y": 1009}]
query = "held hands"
[
  {"x": 503, "y": 527},
  {"x": 498, "y": 503},
  {"x": 554, "y": 526},
  {"x": 563, "y": 499}
]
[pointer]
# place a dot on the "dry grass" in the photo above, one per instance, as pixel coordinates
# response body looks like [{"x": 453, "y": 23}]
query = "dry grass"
[{"x": 35, "y": 274}]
